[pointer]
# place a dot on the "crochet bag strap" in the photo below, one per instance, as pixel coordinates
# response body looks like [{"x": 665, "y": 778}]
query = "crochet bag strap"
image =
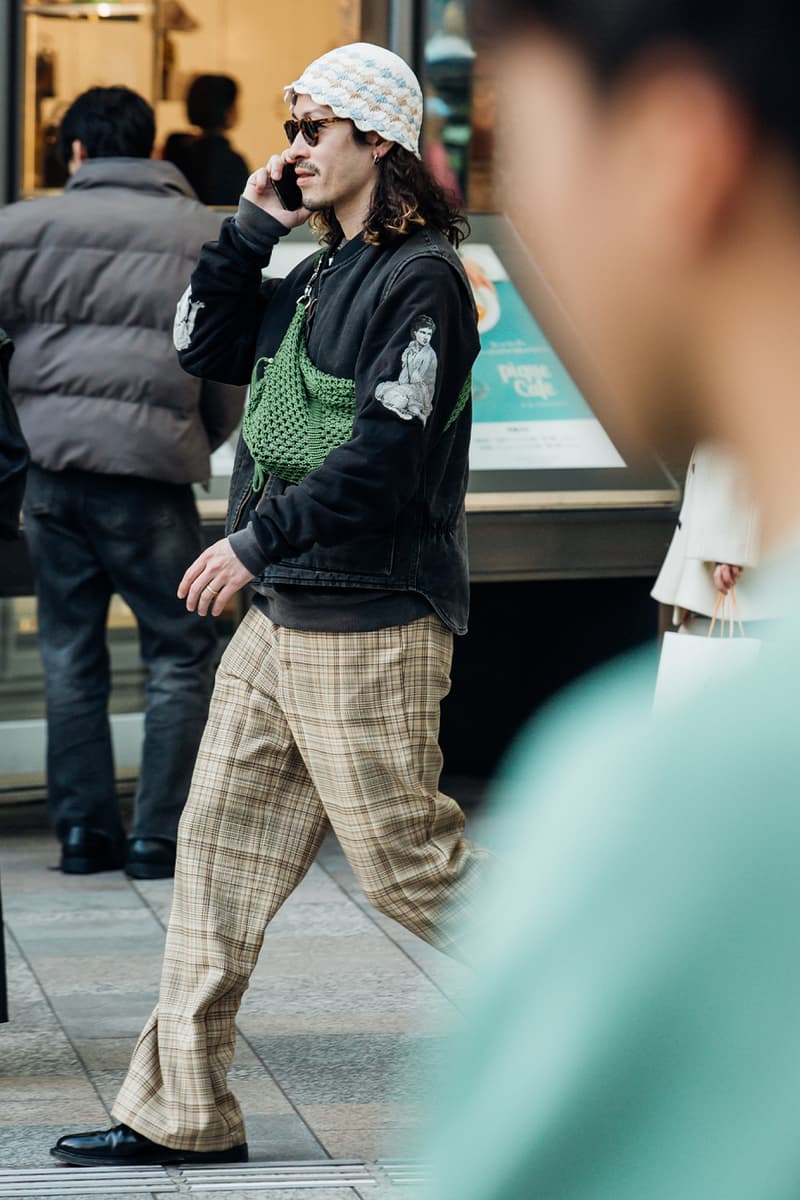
[{"x": 461, "y": 402}]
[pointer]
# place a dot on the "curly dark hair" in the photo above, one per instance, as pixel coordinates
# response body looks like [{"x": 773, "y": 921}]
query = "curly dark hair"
[{"x": 406, "y": 196}]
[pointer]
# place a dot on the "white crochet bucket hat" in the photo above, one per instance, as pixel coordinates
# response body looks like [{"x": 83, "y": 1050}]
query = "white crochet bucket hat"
[{"x": 370, "y": 86}]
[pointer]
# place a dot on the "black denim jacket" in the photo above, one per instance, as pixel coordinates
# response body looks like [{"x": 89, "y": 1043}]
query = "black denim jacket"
[{"x": 385, "y": 510}]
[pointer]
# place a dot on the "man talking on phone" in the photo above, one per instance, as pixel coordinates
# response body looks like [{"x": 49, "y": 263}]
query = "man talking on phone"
[{"x": 346, "y": 517}]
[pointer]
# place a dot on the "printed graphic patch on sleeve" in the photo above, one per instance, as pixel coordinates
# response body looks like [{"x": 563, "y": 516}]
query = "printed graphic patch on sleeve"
[
  {"x": 185, "y": 317},
  {"x": 411, "y": 394}
]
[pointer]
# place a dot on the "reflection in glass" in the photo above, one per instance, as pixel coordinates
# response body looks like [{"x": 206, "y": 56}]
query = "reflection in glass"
[
  {"x": 208, "y": 160},
  {"x": 158, "y": 47},
  {"x": 459, "y": 104},
  {"x": 448, "y": 93}
]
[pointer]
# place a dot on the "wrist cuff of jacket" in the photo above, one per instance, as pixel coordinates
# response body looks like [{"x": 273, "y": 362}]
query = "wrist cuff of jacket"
[
  {"x": 258, "y": 229},
  {"x": 244, "y": 544}
]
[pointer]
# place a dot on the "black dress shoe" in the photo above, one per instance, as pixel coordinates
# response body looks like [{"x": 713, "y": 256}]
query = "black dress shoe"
[
  {"x": 124, "y": 1147},
  {"x": 150, "y": 858},
  {"x": 84, "y": 852}
]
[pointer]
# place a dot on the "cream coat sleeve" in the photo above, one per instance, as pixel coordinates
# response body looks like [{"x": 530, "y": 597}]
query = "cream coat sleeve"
[
  {"x": 722, "y": 523},
  {"x": 718, "y": 523}
]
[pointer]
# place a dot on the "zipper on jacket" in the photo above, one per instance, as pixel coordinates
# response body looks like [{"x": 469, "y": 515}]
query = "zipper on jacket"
[{"x": 248, "y": 496}]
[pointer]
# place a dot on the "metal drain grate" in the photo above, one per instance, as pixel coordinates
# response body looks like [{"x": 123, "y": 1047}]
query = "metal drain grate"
[
  {"x": 322, "y": 1173},
  {"x": 261, "y": 1178},
  {"x": 404, "y": 1173},
  {"x": 85, "y": 1181},
  {"x": 325, "y": 1173}
]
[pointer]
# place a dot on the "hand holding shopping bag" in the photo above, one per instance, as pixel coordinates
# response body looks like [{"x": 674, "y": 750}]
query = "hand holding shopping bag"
[{"x": 690, "y": 664}]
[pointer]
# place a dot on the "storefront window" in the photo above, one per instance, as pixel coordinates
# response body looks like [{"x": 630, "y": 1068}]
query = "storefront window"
[{"x": 158, "y": 47}]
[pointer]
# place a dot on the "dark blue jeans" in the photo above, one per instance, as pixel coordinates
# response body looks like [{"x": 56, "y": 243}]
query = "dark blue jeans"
[{"x": 91, "y": 536}]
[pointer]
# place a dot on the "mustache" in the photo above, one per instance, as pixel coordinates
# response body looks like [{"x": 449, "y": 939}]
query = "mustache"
[{"x": 305, "y": 165}]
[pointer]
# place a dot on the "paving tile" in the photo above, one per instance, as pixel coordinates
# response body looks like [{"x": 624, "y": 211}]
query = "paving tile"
[
  {"x": 31, "y": 1016},
  {"x": 27, "y": 1002},
  {"x": 18, "y": 897},
  {"x": 28, "y": 1145},
  {"x": 360, "y": 1116},
  {"x": 120, "y": 1016},
  {"x": 35, "y": 1054},
  {"x": 456, "y": 980},
  {"x": 322, "y": 991},
  {"x": 366, "y": 1143},
  {"x": 301, "y": 918},
  {"x": 353, "y": 1068},
  {"x": 107, "y": 1084},
  {"x": 246, "y": 1061},
  {"x": 93, "y": 915},
  {"x": 370, "y": 954},
  {"x": 102, "y": 933},
  {"x": 65, "y": 945},
  {"x": 21, "y": 878},
  {"x": 91, "y": 975},
  {"x": 259, "y": 1097},
  {"x": 156, "y": 894},
  {"x": 105, "y": 1054},
  {"x": 316, "y": 888},
  {"x": 60, "y": 1089},
  {"x": 393, "y": 929},
  {"x": 281, "y": 1138},
  {"x": 386, "y": 968},
  {"x": 85, "y": 1110},
  {"x": 413, "y": 1021},
  {"x": 153, "y": 891},
  {"x": 258, "y": 1094}
]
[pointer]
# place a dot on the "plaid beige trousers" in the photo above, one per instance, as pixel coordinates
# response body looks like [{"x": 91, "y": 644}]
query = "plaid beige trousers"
[{"x": 306, "y": 731}]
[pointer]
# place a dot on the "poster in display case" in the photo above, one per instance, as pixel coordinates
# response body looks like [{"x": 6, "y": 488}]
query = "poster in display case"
[
  {"x": 536, "y": 440},
  {"x": 527, "y": 410}
]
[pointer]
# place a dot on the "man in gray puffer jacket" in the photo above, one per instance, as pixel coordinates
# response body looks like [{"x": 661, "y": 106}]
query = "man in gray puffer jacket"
[{"x": 118, "y": 433}]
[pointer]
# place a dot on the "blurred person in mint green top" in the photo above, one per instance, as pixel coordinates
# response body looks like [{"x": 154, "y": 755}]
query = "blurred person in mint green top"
[{"x": 636, "y": 1033}]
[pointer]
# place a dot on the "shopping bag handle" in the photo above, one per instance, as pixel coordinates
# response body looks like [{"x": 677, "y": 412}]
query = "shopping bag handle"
[{"x": 719, "y": 614}]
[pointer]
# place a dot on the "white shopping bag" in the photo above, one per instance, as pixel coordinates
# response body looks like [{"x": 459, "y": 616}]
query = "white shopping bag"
[{"x": 689, "y": 664}]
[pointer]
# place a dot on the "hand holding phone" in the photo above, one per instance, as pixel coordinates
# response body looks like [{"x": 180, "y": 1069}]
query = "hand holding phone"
[
  {"x": 285, "y": 205},
  {"x": 287, "y": 190}
]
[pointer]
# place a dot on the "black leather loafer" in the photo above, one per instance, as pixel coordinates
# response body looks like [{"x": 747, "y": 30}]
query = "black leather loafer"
[
  {"x": 150, "y": 858},
  {"x": 124, "y": 1147},
  {"x": 84, "y": 852}
]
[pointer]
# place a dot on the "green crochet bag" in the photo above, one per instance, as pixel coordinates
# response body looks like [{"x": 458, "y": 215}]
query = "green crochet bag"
[{"x": 296, "y": 413}]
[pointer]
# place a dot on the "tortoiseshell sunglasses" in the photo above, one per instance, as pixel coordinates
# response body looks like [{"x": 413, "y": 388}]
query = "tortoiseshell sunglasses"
[{"x": 308, "y": 127}]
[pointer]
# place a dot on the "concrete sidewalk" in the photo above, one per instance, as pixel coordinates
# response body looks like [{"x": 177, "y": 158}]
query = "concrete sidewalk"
[{"x": 342, "y": 1000}]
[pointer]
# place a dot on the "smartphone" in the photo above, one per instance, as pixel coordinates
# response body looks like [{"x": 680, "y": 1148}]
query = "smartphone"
[{"x": 286, "y": 189}]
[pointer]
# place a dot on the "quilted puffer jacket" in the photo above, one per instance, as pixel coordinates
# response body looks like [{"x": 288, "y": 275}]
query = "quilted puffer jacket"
[{"x": 89, "y": 281}]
